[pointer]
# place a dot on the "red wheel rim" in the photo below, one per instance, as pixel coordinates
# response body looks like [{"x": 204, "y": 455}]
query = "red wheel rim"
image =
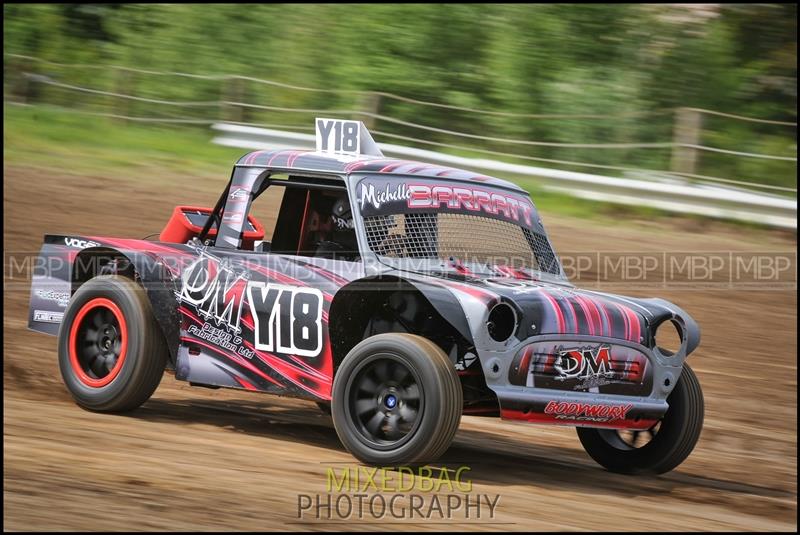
[{"x": 98, "y": 335}]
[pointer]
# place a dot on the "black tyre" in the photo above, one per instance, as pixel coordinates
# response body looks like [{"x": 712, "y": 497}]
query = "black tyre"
[
  {"x": 110, "y": 350},
  {"x": 396, "y": 400},
  {"x": 662, "y": 447}
]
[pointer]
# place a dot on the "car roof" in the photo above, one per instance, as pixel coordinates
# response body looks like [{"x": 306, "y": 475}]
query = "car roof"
[{"x": 324, "y": 162}]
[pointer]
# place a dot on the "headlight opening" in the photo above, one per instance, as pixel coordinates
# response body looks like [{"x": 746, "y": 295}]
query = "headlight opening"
[
  {"x": 669, "y": 337},
  {"x": 502, "y": 322}
]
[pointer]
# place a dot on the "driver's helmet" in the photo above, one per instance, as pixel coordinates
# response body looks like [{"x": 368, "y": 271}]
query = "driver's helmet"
[
  {"x": 342, "y": 239},
  {"x": 342, "y": 217}
]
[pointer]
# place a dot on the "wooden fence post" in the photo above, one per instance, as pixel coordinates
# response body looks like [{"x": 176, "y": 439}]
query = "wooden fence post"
[
  {"x": 232, "y": 91},
  {"x": 370, "y": 104},
  {"x": 19, "y": 83},
  {"x": 123, "y": 84},
  {"x": 688, "y": 125}
]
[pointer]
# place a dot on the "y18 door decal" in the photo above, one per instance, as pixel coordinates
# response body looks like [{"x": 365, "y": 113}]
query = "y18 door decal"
[{"x": 288, "y": 319}]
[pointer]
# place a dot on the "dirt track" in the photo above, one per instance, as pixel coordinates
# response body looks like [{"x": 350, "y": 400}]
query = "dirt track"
[{"x": 193, "y": 458}]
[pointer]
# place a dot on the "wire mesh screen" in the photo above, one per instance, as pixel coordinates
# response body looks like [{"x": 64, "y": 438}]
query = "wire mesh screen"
[{"x": 468, "y": 238}]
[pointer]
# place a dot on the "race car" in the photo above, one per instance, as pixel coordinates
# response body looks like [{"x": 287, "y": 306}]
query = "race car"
[{"x": 396, "y": 294}]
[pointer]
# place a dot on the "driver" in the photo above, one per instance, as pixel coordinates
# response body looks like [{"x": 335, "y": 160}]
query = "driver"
[{"x": 342, "y": 243}]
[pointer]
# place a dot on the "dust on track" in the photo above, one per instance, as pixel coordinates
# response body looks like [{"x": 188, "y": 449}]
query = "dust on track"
[{"x": 197, "y": 459}]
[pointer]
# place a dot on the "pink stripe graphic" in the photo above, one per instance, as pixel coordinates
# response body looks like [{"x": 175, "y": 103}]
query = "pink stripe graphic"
[
  {"x": 557, "y": 310},
  {"x": 586, "y": 314}
]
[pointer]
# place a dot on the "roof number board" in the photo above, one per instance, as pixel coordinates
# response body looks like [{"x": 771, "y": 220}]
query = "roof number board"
[
  {"x": 338, "y": 136},
  {"x": 350, "y": 138}
]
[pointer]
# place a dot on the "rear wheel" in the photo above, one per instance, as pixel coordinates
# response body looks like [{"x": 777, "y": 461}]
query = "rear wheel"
[
  {"x": 111, "y": 352},
  {"x": 396, "y": 400},
  {"x": 662, "y": 447}
]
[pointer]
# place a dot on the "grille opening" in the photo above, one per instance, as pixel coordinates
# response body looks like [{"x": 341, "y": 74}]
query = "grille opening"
[{"x": 468, "y": 238}]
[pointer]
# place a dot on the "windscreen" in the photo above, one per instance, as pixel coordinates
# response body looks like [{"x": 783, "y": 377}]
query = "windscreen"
[{"x": 453, "y": 224}]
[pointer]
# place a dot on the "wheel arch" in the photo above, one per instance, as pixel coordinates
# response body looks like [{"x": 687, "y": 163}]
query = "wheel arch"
[
  {"x": 150, "y": 274},
  {"x": 380, "y": 304}
]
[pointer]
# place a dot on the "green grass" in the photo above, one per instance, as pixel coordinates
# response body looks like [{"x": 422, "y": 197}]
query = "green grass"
[
  {"x": 43, "y": 137},
  {"x": 81, "y": 144}
]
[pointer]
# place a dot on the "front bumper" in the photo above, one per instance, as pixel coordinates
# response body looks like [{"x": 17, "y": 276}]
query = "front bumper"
[
  {"x": 584, "y": 409},
  {"x": 581, "y": 381}
]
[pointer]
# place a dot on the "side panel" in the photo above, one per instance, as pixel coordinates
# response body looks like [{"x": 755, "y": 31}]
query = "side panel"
[
  {"x": 232, "y": 319},
  {"x": 259, "y": 321}
]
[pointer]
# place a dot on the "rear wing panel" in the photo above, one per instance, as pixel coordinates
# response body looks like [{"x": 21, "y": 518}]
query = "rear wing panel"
[{"x": 51, "y": 282}]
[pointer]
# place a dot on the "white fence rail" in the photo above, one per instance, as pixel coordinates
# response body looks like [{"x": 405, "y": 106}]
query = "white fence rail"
[{"x": 669, "y": 194}]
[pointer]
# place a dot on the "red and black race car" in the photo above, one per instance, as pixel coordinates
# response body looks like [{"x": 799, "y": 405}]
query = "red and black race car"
[{"x": 398, "y": 294}]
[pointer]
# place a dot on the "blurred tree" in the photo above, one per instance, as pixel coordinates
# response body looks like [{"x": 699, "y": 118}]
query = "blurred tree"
[{"x": 618, "y": 60}]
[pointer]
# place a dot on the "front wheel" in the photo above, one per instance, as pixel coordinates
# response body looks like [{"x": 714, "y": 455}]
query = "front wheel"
[
  {"x": 111, "y": 352},
  {"x": 396, "y": 400},
  {"x": 662, "y": 447}
]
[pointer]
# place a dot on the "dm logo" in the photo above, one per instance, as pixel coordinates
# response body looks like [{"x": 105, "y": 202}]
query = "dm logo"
[{"x": 583, "y": 363}]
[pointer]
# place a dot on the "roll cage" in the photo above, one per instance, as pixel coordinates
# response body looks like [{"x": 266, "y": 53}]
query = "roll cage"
[
  {"x": 285, "y": 177},
  {"x": 249, "y": 182}
]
